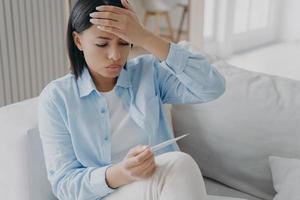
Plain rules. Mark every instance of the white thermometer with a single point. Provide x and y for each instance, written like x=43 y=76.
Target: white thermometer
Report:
x=166 y=143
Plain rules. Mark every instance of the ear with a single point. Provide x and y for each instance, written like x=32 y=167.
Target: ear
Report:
x=77 y=40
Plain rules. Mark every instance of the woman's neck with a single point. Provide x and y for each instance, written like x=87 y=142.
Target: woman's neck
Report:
x=103 y=84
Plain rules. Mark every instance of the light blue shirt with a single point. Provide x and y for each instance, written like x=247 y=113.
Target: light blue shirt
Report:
x=74 y=120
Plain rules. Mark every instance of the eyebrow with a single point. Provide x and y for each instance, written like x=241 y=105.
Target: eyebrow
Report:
x=105 y=38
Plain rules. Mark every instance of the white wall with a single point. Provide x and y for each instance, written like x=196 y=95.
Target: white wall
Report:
x=290 y=28
x=32 y=47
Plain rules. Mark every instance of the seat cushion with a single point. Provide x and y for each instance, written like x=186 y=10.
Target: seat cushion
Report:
x=218 y=190
x=214 y=197
x=286 y=177
x=233 y=136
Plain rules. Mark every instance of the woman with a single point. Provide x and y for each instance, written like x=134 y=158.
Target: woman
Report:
x=98 y=122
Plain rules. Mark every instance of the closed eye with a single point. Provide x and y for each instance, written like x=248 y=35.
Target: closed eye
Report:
x=101 y=45
x=106 y=44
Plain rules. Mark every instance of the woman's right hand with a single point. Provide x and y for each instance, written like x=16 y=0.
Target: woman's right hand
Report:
x=138 y=164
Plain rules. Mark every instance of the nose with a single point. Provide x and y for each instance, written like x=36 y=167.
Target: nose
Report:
x=114 y=53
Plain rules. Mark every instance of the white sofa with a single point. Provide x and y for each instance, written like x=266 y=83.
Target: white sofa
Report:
x=231 y=138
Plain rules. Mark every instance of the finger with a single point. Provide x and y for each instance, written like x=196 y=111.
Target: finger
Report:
x=147 y=172
x=143 y=166
x=147 y=164
x=113 y=9
x=106 y=15
x=104 y=22
x=142 y=169
x=151 y=171
x=127 y=5
x=147 y=153
x=136 y=161
x=136 y=150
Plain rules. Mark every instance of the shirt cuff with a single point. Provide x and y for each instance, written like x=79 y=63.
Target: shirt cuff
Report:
x=98 y=181
x=177 y=58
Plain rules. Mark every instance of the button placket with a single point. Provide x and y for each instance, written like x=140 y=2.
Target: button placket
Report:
x=104 y=112
x=105 y=123
x=105 y=115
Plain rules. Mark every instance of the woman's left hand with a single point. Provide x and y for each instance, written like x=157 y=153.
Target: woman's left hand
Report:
x=120 y=22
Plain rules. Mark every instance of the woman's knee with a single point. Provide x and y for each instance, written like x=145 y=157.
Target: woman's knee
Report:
x=184 y=159
x=179 y=156
x=180 y=161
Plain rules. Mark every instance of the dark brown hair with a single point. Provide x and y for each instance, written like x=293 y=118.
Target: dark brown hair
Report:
x=79 y=21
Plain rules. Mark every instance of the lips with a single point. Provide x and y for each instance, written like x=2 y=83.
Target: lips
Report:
x=114 y=66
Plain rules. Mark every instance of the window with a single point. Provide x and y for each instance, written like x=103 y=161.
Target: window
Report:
x=209 y=19
x=232 y=26
x=250 y=15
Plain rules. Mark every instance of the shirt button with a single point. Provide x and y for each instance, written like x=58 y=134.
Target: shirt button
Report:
x=103 y=110
x=106 y=138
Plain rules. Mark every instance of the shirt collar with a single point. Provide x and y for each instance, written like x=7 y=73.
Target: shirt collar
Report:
x=86 y=84
x=124 y=78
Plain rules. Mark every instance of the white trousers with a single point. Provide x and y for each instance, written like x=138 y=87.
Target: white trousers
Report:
x=177 y=177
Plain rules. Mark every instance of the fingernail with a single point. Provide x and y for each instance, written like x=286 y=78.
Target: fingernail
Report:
x=145 y=147
x=92 y=14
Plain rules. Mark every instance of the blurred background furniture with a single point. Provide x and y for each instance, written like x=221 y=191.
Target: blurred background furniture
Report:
x=160 y=10
x=184 y=4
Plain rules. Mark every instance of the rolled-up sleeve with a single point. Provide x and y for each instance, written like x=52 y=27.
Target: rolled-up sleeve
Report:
x=186 y=77
x=69 y=179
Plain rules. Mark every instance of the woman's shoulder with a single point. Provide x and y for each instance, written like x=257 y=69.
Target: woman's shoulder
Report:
x=60 y=87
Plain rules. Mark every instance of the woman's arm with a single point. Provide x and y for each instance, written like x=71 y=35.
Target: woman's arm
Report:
x=186 y=77
x=68 y=178
x=156 y=45
x=180 y=76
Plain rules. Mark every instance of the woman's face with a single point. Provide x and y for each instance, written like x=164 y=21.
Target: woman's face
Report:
x=105 y=54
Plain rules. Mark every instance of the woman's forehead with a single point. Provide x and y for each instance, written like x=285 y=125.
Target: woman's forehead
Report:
x=97 y=33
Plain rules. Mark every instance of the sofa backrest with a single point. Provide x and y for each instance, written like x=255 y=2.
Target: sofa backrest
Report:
x=232 y=137
x=23 y=174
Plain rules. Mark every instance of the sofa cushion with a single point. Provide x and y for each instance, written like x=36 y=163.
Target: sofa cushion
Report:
x=286 y=177
x=15 y=120
x=214 y=197
x=233 y=136
x=39 y=186
x=215 y=188
x=21 y=151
